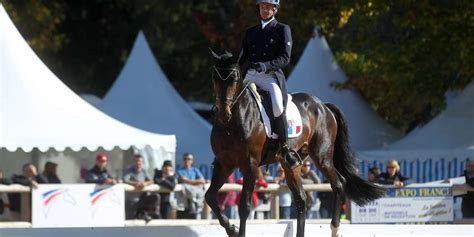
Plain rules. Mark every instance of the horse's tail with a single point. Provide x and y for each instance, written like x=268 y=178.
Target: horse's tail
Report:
x=358 y=189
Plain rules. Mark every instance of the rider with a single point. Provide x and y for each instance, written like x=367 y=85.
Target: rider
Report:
x=267 y=46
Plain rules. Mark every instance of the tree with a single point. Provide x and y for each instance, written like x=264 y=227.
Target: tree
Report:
x=404 y=55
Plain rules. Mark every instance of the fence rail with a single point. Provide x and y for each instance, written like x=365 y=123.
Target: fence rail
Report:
x=272 y=188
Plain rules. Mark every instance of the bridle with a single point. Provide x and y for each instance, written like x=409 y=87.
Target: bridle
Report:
x=232 y=71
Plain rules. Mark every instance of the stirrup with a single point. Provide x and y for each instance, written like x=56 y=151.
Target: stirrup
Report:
x=292 y=158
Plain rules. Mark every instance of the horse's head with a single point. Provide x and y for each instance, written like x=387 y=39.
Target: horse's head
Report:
x=225 y=77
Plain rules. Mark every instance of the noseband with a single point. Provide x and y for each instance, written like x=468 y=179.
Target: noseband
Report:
x=232 y=71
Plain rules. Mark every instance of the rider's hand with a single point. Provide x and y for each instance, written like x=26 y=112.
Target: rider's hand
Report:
x=259 y=67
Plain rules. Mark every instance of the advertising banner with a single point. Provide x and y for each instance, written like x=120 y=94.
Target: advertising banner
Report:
x=423 y=204
x=78 y=205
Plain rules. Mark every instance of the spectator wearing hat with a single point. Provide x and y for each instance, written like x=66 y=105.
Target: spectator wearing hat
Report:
x=166 y=178
x=99 y=173
x=49 y=175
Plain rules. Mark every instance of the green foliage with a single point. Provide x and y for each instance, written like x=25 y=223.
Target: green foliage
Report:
x=404 y=55
x=401 y=55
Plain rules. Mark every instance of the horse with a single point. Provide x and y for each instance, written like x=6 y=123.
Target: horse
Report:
x=239 y=140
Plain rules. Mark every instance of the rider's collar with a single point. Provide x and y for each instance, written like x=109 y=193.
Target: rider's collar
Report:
x=265 y=23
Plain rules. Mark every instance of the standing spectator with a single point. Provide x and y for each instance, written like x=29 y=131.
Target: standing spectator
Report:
x=227 y=200
x=260 y=182
x=165 y=178
x=49 y=175
x=264 y=198
x=374 y=174
x=5 y=181
x=99 y=174
x=136 y=176
x=28 y=177
x=467 y=206
x=191 y=200
x=285 y=197
x=308 y=176
x=392 y=176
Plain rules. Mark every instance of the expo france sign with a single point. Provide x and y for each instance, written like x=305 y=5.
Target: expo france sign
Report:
x=417 y=204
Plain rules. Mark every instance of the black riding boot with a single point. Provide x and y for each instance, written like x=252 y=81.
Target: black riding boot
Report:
x=282 y=131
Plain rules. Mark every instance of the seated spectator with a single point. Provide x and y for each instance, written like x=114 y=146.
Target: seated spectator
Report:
x=99 y=173
x=49 y=175
x=467 y=206
x=373 y=175
x=392 y=176
x=308 y=176
x=191 y=200
x=167 y=179
x=136 y=176
x=227 y=200
x=285 y=197
x=28 y=177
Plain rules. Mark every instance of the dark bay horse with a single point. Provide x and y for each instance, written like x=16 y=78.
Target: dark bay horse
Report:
x=239 y=140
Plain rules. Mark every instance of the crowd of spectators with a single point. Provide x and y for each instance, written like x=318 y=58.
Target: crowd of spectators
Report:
x=188 y=203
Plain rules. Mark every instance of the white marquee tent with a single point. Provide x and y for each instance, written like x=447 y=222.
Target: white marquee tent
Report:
x=315 y=72
x=437 y=150
x=143 y=97
x=452 y=128
x=39 y=111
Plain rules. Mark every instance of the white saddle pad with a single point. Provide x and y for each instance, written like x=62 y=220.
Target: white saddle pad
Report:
x=293 y=116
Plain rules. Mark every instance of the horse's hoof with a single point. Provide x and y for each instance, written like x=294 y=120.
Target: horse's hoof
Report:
x=336 y=231
x=234 y=231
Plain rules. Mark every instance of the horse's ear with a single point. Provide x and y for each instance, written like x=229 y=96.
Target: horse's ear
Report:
x=214 y=55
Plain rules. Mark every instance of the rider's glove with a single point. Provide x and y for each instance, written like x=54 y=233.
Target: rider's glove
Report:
x=259 y=67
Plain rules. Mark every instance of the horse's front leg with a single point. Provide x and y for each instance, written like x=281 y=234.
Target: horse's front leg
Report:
x=219 y=177
x=299 y=196
x=245 y=204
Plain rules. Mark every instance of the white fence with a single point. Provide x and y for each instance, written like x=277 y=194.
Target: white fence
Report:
x=274 y=189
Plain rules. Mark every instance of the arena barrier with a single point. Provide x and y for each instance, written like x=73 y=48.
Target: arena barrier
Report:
x=272 y=188
x=273 y=229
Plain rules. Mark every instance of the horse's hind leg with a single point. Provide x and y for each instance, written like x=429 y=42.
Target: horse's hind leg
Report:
x=293 y=179
x=324 y=161
x=219 y=177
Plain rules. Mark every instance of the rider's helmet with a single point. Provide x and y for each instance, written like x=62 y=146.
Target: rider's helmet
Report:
x=274 y=2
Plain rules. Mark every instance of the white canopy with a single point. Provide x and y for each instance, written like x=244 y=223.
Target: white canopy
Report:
x=38 y=110
x=437 y=150
x=143 y=97
x=451 y=129
x=315 y=72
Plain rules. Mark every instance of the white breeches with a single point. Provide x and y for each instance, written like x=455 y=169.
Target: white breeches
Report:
x=268 y=83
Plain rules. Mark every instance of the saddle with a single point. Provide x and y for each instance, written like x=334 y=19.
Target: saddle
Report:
x=293 y=116
x=295 y=124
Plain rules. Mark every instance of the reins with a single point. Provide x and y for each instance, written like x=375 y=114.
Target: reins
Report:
x=233 y=71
